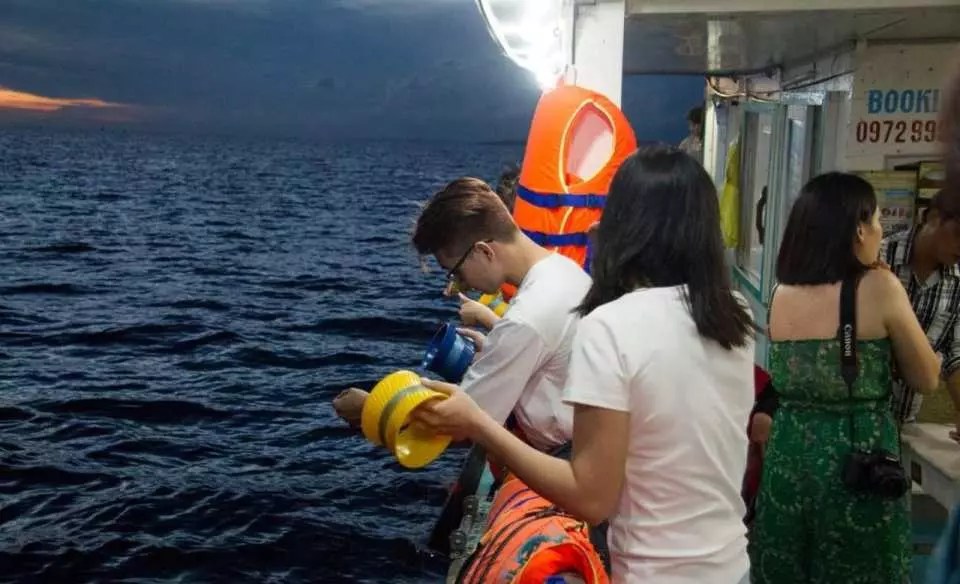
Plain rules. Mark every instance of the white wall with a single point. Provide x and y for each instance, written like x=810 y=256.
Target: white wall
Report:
x=597 y=46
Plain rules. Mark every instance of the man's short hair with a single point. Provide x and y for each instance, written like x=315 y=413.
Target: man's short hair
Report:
x=946 y=205
x=464 y=212
x=695 y=115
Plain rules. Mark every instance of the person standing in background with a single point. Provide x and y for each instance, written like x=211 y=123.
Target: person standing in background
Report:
x=816 y=521
x=693 y=143
x=506 y=187
x=925 y=261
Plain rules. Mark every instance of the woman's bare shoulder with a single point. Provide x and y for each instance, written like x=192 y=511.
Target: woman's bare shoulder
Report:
x=881 y=283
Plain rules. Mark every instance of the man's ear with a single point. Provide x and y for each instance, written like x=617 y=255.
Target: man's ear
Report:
x=486 y=249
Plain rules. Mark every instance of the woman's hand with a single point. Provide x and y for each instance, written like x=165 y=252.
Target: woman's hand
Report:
x=760 y=428
x=457 y=415
x=473 y=313
x=477 y=337
x=349 y=405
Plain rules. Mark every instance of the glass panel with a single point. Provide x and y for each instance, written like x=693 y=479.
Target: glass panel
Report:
x=797 y=162
x=726 y=119
x=815 y=129
x=756 y=164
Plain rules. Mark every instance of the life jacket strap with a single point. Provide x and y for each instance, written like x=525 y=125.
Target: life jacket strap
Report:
x=558 y=200
x=577 y=239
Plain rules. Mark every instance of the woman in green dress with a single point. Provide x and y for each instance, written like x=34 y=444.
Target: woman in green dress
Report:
x=810 y=527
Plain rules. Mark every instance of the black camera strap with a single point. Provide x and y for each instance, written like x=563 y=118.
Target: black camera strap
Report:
x=848 y=340
x=873 y=470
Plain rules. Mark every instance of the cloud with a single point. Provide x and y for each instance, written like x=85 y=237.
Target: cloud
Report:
x=21 y=100
x=15 y=38
x=339 y=69
x=343 y=68
x=400 y=6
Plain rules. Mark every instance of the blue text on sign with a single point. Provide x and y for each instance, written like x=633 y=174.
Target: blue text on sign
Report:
x=903 y=101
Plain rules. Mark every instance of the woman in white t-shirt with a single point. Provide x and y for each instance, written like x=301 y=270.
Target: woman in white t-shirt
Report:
x=661 y=378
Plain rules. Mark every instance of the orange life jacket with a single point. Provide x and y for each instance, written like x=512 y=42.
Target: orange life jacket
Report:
x=527 y=540
x=554 y=205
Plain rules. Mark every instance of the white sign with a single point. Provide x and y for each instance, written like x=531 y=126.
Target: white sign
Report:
x=897 y=92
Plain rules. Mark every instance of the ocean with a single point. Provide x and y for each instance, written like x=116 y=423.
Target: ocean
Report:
x=176 y=315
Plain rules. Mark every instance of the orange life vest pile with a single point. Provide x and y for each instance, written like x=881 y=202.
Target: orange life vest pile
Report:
x=527 y=540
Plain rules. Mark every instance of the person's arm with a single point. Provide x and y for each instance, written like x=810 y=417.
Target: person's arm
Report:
x=473 y=313
x=917 y=362
x=511 y=353
x=951 y=371
x=589 y=485
x=768 y=402
x=761 y=418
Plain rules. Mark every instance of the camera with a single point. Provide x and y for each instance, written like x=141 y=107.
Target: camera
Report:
x=876 y=472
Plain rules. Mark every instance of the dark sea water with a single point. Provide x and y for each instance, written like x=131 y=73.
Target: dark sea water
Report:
x=176 y=315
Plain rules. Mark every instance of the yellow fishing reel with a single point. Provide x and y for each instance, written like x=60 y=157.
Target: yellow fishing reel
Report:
x=494 y=302
x=385 y=420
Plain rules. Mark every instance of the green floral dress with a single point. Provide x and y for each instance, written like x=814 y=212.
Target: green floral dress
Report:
x=809 y=528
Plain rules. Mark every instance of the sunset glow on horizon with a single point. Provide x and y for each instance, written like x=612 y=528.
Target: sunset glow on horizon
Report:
x=21 y=100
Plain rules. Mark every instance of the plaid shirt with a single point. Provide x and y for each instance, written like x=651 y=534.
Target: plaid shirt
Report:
x=936 y=303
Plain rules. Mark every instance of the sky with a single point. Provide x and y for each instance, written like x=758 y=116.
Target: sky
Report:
x=328 y=69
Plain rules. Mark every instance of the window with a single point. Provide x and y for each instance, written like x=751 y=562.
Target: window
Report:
x=800 y=144
x=754 y=191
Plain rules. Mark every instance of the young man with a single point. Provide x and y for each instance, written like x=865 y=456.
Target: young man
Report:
x=522 y=364
x=693 y=143
x=925 y=259
x=472 y=313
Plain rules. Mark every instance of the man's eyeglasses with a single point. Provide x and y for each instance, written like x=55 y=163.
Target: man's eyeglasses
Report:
x=452 y=274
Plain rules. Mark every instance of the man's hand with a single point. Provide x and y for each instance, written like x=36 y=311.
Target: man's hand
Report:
x=760 y=428
x=477 y=337
x=955 y=433
x=349 y=405
x=473 y=313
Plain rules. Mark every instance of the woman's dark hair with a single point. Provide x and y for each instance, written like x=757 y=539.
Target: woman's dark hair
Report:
x=817 y=246
x=661 y=227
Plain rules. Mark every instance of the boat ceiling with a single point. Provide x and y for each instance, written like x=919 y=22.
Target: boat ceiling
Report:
x=698 y=37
